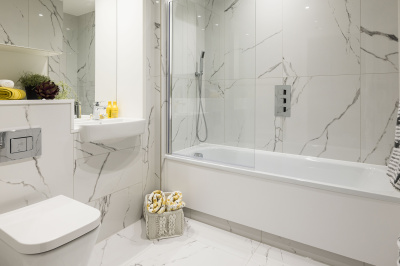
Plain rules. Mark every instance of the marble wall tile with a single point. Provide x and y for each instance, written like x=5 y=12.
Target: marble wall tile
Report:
x=70 y=75
x=46 y=25
x=86 y=95
x=151 y=138
x=379 y=105
x=214 y=110
x=153 y=38
x=76 y=66
x=63 y=69
x=379 y=36
x=55 y=68
x=321 y=37
x=268 y=127
x=184 y=49
x=86 y=62
x=240 y=39
x=86 y=48
x=101 y=175
x=269 y=34
x=325 y=117
x=165 y=145
x=214 y=45
x=183 y=108
x=14 y=22
x=240 y=113
x=88 y=149
x=118 y=210
x=30 y=180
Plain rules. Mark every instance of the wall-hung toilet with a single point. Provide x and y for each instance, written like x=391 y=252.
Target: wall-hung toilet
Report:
x=58 y=231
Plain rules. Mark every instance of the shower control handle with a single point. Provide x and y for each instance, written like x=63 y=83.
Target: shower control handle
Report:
x=283 y=95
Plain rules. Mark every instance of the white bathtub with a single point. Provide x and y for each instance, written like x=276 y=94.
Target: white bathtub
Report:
x=343 y=207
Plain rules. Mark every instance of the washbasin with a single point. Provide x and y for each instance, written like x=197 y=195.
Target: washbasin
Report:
x=109 y=129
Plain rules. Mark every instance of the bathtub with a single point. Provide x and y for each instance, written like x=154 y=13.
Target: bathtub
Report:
x=343 y=207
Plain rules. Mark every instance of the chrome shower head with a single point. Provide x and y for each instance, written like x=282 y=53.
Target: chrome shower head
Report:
x=201 y=61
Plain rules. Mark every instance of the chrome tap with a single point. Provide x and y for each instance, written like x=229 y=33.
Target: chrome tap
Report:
x=98 y=111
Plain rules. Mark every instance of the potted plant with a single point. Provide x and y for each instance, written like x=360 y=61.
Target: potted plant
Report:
x=30 y=81
x=66 y=92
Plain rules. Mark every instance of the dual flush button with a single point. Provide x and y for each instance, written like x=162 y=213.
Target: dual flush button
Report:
x=21 y=144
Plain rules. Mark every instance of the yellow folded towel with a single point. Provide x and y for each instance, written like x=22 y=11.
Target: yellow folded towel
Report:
x=11 y=94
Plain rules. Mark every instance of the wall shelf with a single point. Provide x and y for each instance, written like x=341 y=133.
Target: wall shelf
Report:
x=26 y=50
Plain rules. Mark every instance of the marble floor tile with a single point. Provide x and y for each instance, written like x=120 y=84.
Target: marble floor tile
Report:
x=270 y=256
x=201 y=244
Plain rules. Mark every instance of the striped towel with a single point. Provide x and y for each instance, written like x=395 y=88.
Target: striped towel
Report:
x=156 y=202
x=11 y=94
x=394 y=161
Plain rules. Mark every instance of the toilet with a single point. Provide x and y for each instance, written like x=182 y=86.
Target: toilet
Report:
x=54 y=232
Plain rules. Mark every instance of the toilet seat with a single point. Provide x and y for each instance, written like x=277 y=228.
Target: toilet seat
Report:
x=47 y=225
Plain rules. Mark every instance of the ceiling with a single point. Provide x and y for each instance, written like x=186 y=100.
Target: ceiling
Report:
x=78 y=7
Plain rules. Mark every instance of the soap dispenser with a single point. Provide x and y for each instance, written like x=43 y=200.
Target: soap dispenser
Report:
x=108 y=110
x=114 y=110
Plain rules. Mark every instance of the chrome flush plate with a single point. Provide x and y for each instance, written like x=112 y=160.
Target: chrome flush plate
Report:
x=20 y=144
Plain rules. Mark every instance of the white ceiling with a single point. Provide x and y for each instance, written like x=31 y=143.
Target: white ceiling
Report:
x=78 y=7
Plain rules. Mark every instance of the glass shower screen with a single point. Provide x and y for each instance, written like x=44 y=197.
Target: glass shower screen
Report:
x=211 y=81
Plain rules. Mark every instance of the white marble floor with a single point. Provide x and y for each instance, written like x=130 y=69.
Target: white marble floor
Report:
x=201 y=244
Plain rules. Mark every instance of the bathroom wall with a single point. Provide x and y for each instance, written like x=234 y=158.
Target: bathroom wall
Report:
x=31 y=180
x=29 y=23
x=86 y=61
x=108 y=176
x=111 y=176
x=76 y=66
x=32 y=23
x=341 y=59
x=114 y=176
x=18 y=63
x=151 y=141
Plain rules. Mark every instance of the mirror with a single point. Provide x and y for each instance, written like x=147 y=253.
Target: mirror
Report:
x=79 y=50
x=57 y=38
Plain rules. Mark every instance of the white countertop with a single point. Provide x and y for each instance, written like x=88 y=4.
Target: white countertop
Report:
x=35 y=102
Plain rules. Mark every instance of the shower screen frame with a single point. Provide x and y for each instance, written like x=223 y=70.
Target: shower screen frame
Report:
x=169 y=75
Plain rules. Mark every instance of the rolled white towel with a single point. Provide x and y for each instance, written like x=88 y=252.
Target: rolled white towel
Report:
x=6 y=83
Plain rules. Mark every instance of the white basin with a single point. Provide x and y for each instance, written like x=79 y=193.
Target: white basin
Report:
x=109 y=129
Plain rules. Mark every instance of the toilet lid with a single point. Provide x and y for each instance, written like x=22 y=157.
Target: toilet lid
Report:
x=47 y=225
